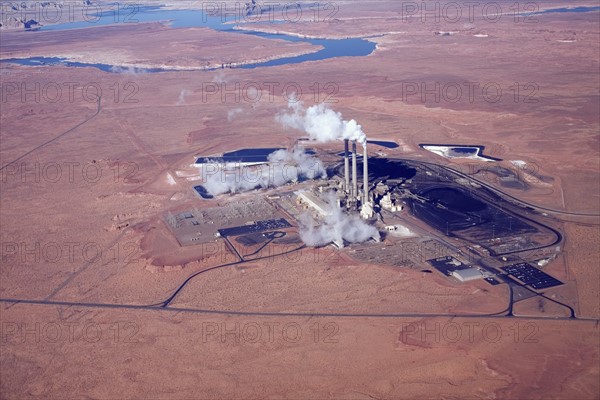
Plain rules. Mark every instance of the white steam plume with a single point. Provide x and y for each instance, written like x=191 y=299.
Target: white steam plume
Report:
x=337 y=227
x=321 y=123
x=283 y=167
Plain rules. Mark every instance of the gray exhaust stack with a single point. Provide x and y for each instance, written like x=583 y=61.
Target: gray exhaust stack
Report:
x=346 y=168
x=354 y=193
x=365 y=175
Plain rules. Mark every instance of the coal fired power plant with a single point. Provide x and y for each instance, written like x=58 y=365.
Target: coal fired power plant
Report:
x=321 y=193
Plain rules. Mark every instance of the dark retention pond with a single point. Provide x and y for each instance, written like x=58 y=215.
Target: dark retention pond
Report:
x=384 y=143
x=243 y=155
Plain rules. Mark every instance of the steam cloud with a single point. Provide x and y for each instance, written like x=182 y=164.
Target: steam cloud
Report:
x=321 y=123
x=337 y=227
x=283 y=166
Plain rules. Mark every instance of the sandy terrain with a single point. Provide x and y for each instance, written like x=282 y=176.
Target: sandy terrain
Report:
x=181 y=355
x=81 y=215
x=183 y=48
x=336 y=288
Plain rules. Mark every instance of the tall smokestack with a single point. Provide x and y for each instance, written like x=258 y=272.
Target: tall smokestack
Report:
x=354 y=173
x=365 y=174
x=346 y=168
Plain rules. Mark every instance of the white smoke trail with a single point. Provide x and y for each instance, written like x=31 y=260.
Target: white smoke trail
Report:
x=337 y=227
x=321 y=123
x=283 y=167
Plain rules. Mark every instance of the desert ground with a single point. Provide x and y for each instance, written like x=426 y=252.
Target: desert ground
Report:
x=86 y=181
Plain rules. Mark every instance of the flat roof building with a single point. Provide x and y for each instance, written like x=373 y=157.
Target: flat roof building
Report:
x=313 y=201
x=465 y=275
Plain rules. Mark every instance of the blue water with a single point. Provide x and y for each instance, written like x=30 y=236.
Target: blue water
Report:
x=202 y=192
x=196 y=18
x=63 y=61
x=465 y=150
x=245 y=155
x=177 y=18
x=384 y=143
x=331 y=48
x=566 y=9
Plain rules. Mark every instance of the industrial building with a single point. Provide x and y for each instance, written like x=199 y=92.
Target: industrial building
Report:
x=201 y=226
x=313 y=201
x=466 y=275
x=349 y=195
x=433 y=194
x=198 y=226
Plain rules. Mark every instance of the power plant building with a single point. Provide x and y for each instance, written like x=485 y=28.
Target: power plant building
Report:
x=466 y=275
x=313 y=201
